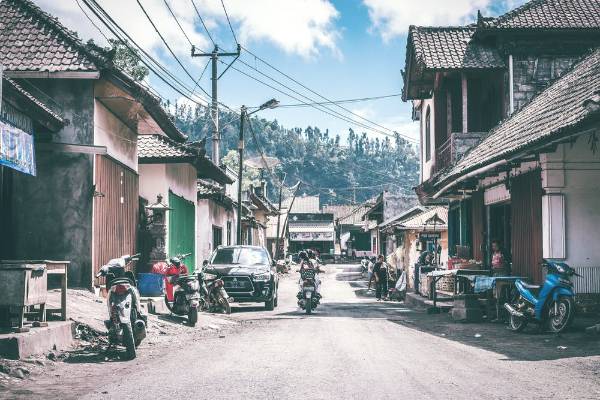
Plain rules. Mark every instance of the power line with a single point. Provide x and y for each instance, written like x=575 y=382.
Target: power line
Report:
x=229 y=22
x=178 y=24
x=171 y=50
x=323 y=109
x=117 y=31
x=203 y=24
x=345 y=101
x=92 y=22
x=320 y=95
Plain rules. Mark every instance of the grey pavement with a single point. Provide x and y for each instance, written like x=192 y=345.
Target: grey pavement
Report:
x=351 y=348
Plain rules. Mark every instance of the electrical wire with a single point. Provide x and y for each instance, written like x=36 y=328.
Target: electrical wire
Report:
x=203 y=24
x=229 y=22
x=320 y=95
x=92 y=22
x=178 y=24
x=345 y=101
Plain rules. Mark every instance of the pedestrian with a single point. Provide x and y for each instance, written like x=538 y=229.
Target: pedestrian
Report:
x=380 y=274
x=500 y=260
x=370 y=264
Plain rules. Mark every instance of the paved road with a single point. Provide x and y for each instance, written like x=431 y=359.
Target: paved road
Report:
x=352 y=348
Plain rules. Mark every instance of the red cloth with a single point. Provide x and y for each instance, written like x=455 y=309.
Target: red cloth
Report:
x=173 y=270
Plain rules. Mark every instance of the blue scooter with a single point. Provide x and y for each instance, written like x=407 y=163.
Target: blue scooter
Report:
x=552 y=304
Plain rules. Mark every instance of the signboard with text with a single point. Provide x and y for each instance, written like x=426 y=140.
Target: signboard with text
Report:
x=16 y=149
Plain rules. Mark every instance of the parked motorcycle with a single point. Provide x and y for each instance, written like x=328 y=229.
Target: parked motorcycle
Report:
x=214 y=297
x=126 y=324
x=552 y=304
x=183 y=295
x=308 y=298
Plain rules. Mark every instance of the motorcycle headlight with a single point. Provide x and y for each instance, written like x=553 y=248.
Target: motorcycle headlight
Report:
x=209 y=277
x=262 y=277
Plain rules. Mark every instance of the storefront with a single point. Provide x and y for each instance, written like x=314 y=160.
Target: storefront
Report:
x=312 y=231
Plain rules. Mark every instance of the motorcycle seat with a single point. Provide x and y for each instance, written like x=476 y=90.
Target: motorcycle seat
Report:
x=531 y=287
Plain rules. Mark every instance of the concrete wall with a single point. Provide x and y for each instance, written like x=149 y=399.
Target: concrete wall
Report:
x=158 y=179
x=120 y=141
x=209 y=213
x=53 y=211
x=571 y=178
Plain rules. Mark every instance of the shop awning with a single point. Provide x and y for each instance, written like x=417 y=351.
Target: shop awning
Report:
x=312 y=232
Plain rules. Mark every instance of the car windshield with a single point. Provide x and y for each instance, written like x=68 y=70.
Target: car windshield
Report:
x=237 y=255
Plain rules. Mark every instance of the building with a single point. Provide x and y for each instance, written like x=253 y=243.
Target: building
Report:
x=416 y=230
x=527 y=173
x=171 y=170
x=351 y=238
x=216 y=215
x=311 y=231
x=387 y=206
x=83 y=204
x=256 y=223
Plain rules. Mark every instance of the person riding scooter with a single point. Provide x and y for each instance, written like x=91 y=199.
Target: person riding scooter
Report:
x=306 y=262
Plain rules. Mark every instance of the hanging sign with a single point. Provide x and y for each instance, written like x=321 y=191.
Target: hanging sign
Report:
x=16 y=149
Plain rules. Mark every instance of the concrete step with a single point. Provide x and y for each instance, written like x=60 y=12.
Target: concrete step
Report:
x=417 y=301
x=57 y=335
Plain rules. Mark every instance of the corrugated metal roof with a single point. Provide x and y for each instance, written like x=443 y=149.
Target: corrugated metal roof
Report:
x=302 y=204
x=418 y=221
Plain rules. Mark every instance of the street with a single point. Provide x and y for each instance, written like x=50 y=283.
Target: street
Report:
x=352 y=347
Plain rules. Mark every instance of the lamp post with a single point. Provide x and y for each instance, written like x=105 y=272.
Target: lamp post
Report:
x=243 y=114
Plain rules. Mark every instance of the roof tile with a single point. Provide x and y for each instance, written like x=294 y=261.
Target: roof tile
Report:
x=161 y=147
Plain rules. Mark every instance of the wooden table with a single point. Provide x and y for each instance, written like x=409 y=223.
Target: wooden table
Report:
x=459 y=276
x=52 y=268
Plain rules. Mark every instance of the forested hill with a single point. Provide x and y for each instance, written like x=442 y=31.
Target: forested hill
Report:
x=325 y=164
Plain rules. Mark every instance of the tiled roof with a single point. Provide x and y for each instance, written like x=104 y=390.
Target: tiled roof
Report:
x=33 y=40
x=303 y=204
x=347 y=214
x=207 y=189
x=441 y=48
x=561 y=106
x=32 y=99
x=549 y=14
x=160 y=147
x=419 y=220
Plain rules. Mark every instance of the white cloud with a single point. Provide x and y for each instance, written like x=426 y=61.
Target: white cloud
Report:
x=302 y=27
x=392 y=18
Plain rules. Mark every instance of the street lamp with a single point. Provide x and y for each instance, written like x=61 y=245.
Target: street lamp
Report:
x=243 y=114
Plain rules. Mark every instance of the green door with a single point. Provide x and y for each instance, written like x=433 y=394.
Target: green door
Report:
x=182 y=222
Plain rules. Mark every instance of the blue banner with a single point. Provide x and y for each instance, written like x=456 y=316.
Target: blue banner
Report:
x=16 y=149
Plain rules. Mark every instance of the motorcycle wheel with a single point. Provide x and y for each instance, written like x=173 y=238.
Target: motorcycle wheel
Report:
x=308 y=307
x=129 y=341
x=561 y=318
x=193 y=316
x=224 y=304
x=168 y=304
x=517 y=324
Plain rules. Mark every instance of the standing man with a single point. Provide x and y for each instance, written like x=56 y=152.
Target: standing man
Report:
x=380 y=274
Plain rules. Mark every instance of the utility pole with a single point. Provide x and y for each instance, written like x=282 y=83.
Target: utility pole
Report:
x=240 y=171
x=277 y=244
x=214 y=106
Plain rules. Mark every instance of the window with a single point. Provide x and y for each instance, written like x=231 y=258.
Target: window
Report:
x=428 y=135
x=240 y=255
x=217 y=232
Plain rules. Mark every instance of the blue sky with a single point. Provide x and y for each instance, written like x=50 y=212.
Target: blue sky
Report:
x=339 y=48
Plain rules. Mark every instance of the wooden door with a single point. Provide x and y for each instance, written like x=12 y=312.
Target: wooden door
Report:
x=115 y=211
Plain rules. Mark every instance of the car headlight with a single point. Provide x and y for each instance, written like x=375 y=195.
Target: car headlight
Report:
x=262 y=277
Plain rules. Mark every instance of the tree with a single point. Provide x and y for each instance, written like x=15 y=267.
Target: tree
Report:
x=127 y=60
x=250 y=176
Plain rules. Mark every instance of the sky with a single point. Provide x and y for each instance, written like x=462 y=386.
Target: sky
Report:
x=341 y=49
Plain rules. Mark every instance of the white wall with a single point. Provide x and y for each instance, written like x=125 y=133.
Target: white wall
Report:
x=158 y=179
x=109 y=131
x=209 y=213
x=573 y=173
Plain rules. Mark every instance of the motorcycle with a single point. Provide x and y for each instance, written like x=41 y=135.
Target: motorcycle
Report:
x=183 y=294
x=552 y=304
x=127 y=324
x=214 y=297
x=308 y=298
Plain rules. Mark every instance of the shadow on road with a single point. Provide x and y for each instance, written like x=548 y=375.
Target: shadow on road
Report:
x=530 y=345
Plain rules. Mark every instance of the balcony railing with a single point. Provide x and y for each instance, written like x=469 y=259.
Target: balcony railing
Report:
x=453 y=149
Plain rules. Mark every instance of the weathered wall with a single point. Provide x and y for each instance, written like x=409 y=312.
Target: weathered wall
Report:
x=209 y=213
x=53 y=211
x=120 y=141
x=532 y=74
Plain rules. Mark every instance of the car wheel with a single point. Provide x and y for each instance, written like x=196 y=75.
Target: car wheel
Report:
x=276 y=297
x=270 y=304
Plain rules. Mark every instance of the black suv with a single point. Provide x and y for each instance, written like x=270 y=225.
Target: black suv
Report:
x=248 y=273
